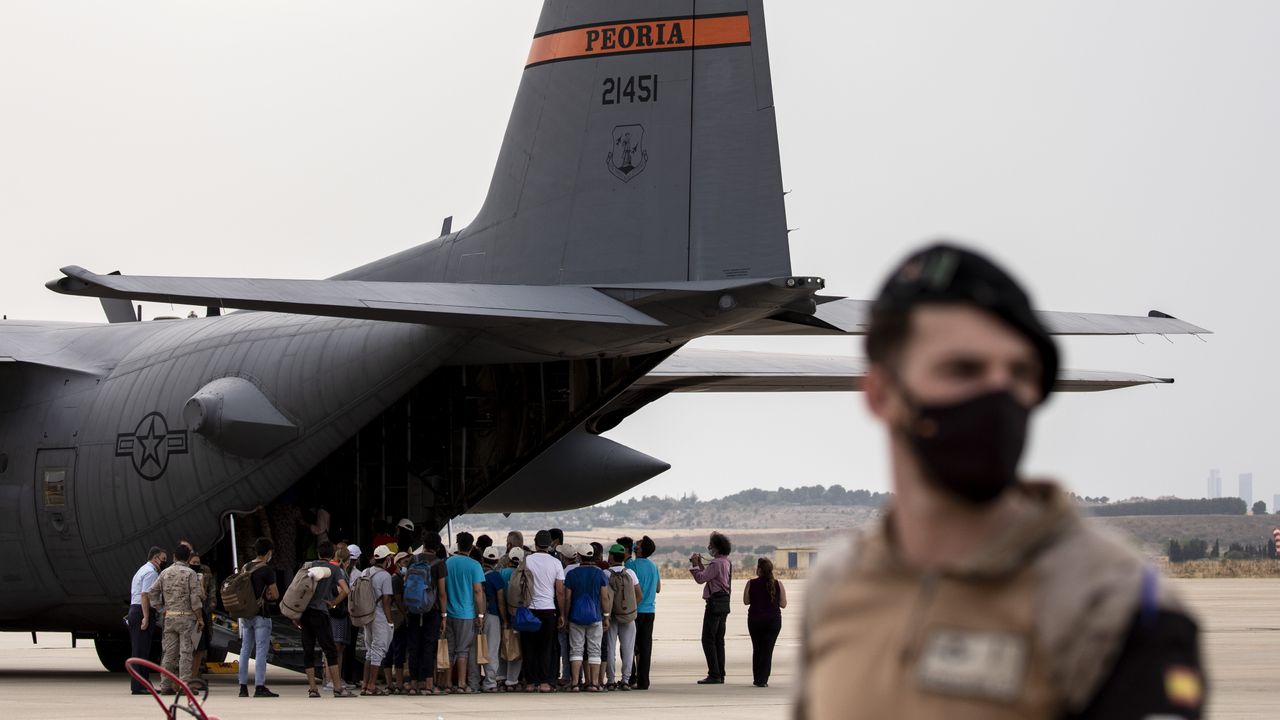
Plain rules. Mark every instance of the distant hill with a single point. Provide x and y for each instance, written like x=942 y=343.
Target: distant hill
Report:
x=814 y=507
x=760 y=520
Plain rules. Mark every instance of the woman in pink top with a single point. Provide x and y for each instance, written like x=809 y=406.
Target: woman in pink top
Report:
x=715 y=579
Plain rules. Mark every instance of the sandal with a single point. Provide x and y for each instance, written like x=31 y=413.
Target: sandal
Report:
x=575 y=688
x=593 y=688
x=343 y=693
x=313 y=693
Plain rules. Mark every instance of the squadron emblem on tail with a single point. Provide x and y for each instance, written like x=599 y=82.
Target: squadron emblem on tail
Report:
x=629 y=156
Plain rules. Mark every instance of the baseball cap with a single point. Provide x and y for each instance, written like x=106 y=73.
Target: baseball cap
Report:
x=405 y=523
x=354 y=550
x=542 y=539
x=944 y=273
x=585 y=550
x=492 y=553
x=382 y=552
x=616 y=548
x=402 y=556
x=517 y=554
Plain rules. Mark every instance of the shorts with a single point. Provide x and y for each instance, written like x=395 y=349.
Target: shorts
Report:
x=588 y=636
x=462 y=637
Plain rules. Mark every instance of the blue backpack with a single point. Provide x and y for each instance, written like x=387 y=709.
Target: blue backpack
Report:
x=419 y=588
x=526 y=621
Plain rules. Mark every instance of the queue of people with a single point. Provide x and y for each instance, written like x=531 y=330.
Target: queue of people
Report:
x=484 y=618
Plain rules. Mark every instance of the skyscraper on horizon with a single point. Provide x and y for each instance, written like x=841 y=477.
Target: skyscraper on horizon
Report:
x=1246 y=488
x=1215 y=485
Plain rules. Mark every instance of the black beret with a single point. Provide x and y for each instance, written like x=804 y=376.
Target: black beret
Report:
x=944 y=273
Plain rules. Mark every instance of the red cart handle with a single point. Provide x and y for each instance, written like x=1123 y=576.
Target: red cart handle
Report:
x=192 y=707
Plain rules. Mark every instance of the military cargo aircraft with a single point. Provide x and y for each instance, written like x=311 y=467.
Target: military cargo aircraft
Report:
x=637 y=204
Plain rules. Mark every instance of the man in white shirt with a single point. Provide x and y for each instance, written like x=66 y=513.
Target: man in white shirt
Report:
x=140 y=632
x=546 y=574
x=377 y=634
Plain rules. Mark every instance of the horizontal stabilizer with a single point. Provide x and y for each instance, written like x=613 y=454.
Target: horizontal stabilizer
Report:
x=850 y=317
x=579 y=470
x=445 y=304
x=699 y=370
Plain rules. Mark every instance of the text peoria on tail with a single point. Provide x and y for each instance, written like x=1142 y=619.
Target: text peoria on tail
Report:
x=637 y=204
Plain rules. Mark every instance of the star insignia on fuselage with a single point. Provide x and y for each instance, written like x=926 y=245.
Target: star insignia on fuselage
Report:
x=151 y=445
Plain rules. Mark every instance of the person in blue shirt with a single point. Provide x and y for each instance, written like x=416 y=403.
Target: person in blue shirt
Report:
x=589 y=601
x=140 y=632
x=495 y=610
x=464 y=614
x=650 y=585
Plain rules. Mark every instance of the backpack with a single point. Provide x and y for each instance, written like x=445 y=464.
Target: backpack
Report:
x=238 y=598
x=420 y=588
x=624 y=597
x=525 y=621
x=362 y=602
x=299 y=594
x=520 y=589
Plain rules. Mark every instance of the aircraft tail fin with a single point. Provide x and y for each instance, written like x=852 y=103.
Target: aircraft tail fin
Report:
x=642 y=147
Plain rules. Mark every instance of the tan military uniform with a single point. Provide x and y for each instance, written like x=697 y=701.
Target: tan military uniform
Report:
x=1029 y=626
x=181 y=593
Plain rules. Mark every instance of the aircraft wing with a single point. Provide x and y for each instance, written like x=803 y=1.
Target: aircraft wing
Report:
x=704 y=370
x=446 y=304
x=845 y=316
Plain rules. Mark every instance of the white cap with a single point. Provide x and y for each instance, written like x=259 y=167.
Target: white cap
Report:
x=382 y=552
x=492 y=553
x=586 y=551
x=354 y=550
x=517 y=554
x=405 y=523
x=419 y=550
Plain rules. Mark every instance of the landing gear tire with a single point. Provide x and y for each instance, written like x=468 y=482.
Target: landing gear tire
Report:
x=113 y=652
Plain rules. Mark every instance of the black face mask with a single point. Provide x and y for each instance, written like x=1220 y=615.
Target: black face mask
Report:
x=970 y=449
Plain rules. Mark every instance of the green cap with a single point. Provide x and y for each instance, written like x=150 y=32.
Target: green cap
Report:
x=616 y=548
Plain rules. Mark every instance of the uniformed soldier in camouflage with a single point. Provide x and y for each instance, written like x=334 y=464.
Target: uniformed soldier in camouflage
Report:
x=980 y=595
x=180 y=593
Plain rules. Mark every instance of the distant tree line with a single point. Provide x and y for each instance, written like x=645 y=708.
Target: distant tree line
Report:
x=1171 y=506
x=688 y=510
x=1198 y=549
x=811 y=495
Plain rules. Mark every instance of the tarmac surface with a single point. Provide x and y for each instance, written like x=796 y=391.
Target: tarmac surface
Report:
x=1241 y=620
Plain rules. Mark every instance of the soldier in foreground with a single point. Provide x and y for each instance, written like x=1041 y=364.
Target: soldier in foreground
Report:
x=980 y=595
x=178 y=588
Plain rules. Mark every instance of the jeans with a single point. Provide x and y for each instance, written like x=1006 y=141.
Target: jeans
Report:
x=140 y=643
x=764 y=634
x=623 y=637
x=422 y=632
x=644 y=649
x=538 y=649
x=255 y=639
x=714 y=619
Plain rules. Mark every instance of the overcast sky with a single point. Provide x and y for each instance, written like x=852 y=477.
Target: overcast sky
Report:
x=1119 y=156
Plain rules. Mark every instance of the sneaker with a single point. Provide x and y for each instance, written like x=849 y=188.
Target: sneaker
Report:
x=262 y=691
x=244 y=691
x=328 y=684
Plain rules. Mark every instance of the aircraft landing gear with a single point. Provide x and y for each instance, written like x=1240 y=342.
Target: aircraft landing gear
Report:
x=113 y=652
